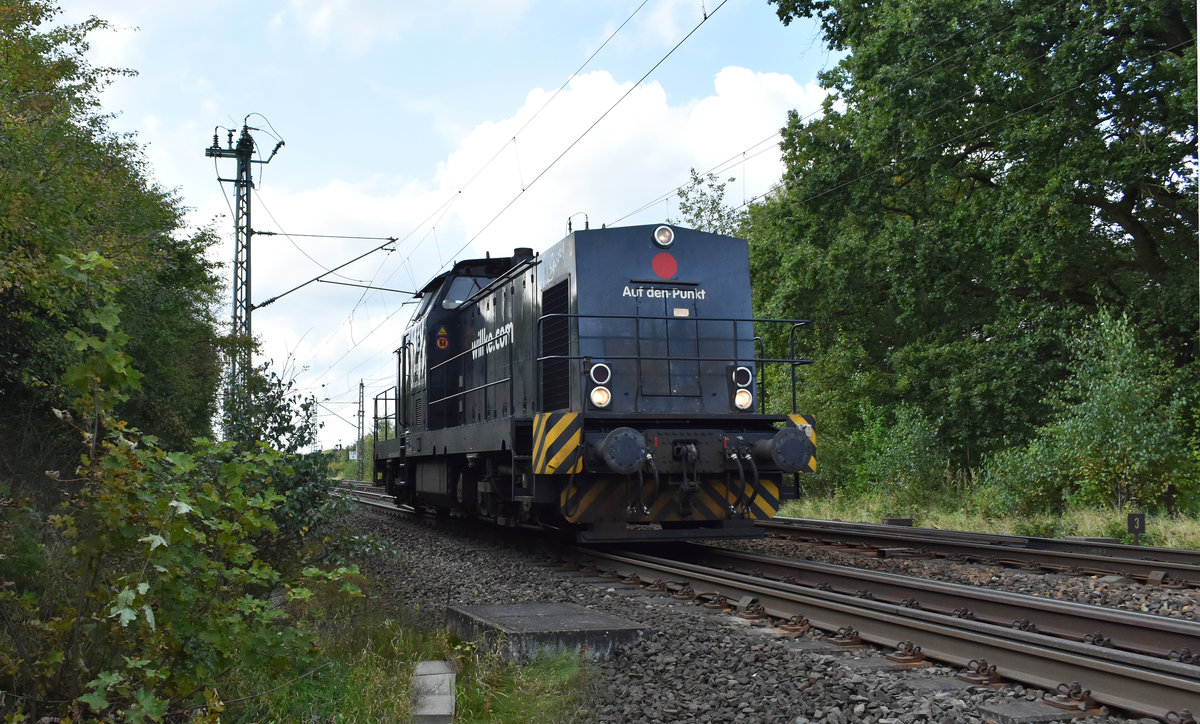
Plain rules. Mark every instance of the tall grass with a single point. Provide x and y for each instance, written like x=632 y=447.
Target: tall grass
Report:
x=361 y=668
x=1181 y=531
x=545 y=690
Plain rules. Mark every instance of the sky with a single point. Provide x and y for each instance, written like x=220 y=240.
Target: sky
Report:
x=458 y=127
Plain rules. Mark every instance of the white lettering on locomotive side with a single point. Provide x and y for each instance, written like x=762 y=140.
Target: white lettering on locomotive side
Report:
x=640 y=292
x=491 y=341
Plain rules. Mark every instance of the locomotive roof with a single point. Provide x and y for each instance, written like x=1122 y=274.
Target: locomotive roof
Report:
x=486 y=267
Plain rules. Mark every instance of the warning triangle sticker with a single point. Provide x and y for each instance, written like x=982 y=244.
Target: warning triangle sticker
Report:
x=442 y=331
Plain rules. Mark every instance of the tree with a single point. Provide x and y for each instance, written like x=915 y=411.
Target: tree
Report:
x=69 y=186
x=983 y=177
x=702 y=206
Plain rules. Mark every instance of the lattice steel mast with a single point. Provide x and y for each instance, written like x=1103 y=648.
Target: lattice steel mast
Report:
x=242 y=332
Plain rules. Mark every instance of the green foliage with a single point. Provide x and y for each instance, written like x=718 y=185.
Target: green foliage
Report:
x=154 y=577
x=1119 y=530
x=170 y=307
x=985 y=175
x=70 y=188
x=1118 y=436
x=702 y=206
x=834 y=389
x=365 y=673
x=957 y=513
x=103 y=374
x=1053 y=527
x=899 y=457
x=492 y=690
x=270 y=414
x=137 y=578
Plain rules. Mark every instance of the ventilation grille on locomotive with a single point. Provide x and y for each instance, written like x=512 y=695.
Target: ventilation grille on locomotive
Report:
x=556 y=341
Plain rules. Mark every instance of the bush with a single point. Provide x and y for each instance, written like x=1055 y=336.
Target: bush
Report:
x=148 y=584
x=840 y=391
x=1117 y=437
x=899 y=458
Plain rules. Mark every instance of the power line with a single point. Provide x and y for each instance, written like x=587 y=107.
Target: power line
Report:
x=323 y=236
x=589 y=128
x=884 y=93
x=717 y=169
x=445 y=206
x=441 y=210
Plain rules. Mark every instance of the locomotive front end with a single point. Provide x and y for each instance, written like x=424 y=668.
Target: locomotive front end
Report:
x=651 y=420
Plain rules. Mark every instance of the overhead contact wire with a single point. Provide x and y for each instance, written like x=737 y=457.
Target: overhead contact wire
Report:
x=588 y=130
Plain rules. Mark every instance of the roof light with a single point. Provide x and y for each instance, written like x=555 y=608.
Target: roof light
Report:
x=664 y=236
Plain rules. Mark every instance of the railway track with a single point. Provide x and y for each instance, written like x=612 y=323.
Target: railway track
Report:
x=1083 y=670
x=366 y=494
x=1083 y=656
x=1156 y=566
x=1153 y=566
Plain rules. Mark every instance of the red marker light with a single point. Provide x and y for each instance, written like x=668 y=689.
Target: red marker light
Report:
x=665 y=265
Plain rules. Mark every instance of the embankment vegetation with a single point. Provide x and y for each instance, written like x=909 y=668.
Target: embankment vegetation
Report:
x=992 y=225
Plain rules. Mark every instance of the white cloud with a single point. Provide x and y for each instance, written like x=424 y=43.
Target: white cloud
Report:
x=639 y=151
x=381 y=101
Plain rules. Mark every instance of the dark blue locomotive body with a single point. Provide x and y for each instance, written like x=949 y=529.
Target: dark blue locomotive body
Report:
x=610 y=385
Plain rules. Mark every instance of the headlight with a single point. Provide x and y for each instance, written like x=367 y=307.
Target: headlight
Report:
x=664 y=236
x=742 y=399
x=600 y=396
x=742 y=377
x=600 y=373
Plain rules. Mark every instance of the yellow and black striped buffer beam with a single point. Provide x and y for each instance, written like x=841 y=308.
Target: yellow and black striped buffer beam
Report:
x=557 y=443
x=808 y=424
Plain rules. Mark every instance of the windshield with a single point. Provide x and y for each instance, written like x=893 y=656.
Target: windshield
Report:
x=461 y=289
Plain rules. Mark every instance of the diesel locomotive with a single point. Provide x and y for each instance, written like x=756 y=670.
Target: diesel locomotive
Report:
x=611 y=386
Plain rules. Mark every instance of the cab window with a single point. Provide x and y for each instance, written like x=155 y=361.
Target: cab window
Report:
x=426 y=301
x=461 y=289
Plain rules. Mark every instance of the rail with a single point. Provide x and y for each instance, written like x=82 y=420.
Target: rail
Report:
x=1144 y=684
x=1151 y=565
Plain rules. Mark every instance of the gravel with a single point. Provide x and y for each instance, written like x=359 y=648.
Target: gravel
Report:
x=695 y=664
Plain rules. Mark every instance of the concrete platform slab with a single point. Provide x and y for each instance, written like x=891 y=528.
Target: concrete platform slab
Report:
x=524 y=631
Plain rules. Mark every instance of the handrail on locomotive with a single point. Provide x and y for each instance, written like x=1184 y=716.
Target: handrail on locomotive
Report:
x=389 y=398
x=639 y=357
